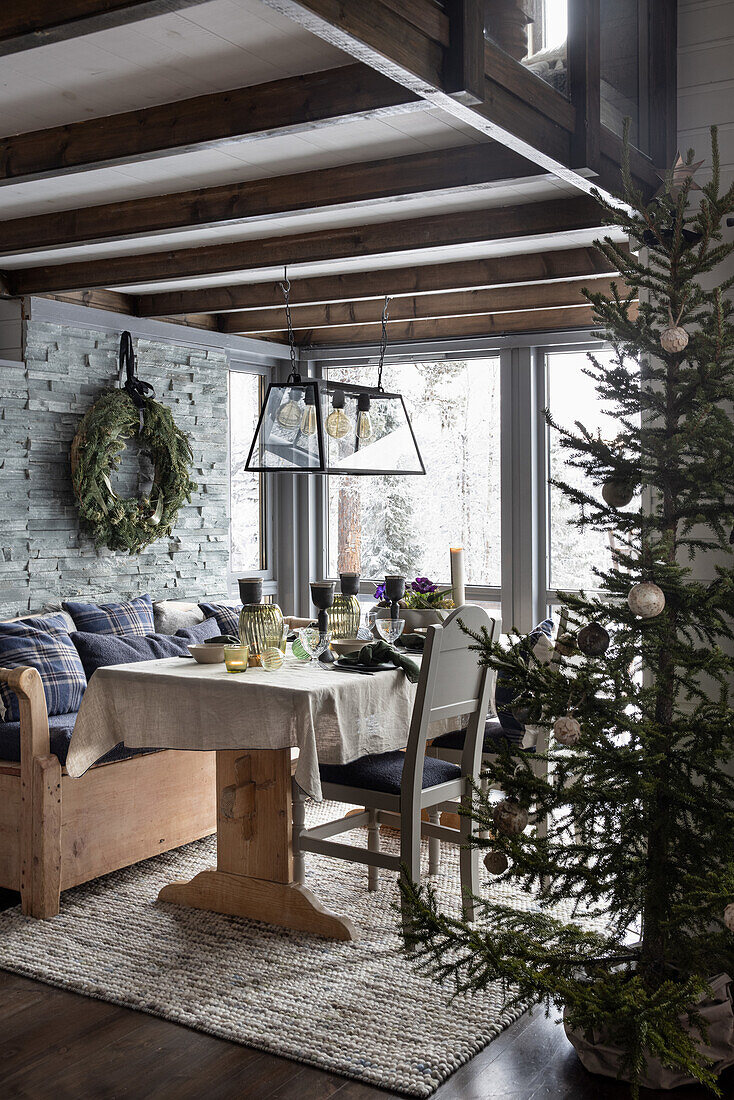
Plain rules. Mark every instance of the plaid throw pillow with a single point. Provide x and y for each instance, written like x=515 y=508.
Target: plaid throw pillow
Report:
x=42 y=643
x=227 y=616
x=133 y=617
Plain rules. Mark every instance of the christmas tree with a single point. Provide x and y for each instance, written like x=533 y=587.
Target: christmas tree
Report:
x=640 y=790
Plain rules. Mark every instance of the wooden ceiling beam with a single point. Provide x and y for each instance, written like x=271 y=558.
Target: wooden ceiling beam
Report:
x=571 y=263
x=488 y=324
x=464 y=227
x=459 y=303
x=290 y=105
x=26 y=24
x=464 y=169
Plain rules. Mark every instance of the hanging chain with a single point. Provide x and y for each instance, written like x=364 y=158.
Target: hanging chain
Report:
x=285 y=286
x=383 y=342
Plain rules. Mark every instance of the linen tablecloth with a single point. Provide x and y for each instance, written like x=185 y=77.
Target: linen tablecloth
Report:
x=331 y=717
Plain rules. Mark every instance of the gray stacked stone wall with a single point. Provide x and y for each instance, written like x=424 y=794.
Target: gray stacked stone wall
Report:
x=45 y=555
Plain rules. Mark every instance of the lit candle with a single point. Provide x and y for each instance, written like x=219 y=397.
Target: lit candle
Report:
x=236 y=657
x=457 y=576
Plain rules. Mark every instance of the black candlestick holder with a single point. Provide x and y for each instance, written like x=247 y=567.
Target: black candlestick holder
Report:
x=322 y=597
x=394 y=592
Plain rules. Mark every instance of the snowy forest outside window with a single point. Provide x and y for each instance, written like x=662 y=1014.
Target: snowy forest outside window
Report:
x=572 y=397
x=247 y=550
x=405 y=525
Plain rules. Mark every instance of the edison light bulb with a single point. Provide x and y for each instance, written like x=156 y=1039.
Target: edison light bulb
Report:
x=337 y=422
x=289 y=415
x=309 y=421
x=364 y=424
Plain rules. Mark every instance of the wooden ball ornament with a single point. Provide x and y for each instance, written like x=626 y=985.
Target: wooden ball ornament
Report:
x=496 y=862
x=593 y=640
x=510 y=817
x=646 y=600
x=729 y=916
x=617 y=493
x=674 y=338
x=567 y=730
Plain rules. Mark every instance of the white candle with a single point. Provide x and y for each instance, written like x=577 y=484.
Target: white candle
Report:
x=457 y=576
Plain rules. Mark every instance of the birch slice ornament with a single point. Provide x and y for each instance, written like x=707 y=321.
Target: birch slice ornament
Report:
x=510 y=817
x=497 y=862
x=728 y=916
x=646 y=600
x=674 y=338
x=567 y=731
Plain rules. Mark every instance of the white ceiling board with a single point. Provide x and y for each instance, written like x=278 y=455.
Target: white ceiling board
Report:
x=211 y=47
x=547 y=242
x=237 y=161
x=515 y=193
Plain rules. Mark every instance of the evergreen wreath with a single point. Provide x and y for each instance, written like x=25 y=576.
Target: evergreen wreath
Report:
x=129 y=524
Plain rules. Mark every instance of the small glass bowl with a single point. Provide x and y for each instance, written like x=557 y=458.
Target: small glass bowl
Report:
x=236 y=657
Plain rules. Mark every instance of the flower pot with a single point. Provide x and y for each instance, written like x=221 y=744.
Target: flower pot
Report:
x=599 y=1056
x=416 y=619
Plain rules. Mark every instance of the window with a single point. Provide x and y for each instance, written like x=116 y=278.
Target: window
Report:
x=572 y=396
x=379 y=525
x=247 y=537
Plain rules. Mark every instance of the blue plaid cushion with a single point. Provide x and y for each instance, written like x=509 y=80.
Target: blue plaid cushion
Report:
x=42 y=643
x=133 y=617
x=227 y=616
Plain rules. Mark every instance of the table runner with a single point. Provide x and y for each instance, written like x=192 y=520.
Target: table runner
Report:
x=331 y=717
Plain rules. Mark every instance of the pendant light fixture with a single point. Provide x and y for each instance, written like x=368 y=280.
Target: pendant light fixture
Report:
x=314 y=426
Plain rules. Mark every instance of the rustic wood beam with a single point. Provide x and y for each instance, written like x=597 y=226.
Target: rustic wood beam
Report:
x=459 y=303
x=290 y=105
x=464 y=227
x=571 y=263
x=489 y=324
x=25 y=24
x=382 y=181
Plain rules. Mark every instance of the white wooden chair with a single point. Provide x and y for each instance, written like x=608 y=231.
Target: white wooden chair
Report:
x=394 y=788
x=449 y=746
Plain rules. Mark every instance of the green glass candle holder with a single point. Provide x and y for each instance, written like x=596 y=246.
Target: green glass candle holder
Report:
x=261 y=624
x=345 y=614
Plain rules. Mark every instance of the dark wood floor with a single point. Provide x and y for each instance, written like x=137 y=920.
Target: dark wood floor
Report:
x=59 y=1045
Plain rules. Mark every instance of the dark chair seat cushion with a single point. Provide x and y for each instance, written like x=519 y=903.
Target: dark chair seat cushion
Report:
x=59 y=728
x=385 y=771
x=495 y=738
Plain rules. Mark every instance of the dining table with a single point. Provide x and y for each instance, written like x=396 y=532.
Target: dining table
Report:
x=266 y=727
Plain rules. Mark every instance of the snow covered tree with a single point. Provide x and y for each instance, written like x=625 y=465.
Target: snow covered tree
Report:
x=640 y=790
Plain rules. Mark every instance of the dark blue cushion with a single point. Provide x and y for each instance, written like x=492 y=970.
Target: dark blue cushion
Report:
x=495 y=738
x=504 y=695
x=60 y=727
x=199 y=632
x=98 y=650
x=42 y=642
x=133 y=617
x=227 y=616
x=384 y=772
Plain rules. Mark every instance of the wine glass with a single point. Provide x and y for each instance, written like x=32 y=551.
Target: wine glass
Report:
x=390 y=629
x=366 y=633
x=315 y=642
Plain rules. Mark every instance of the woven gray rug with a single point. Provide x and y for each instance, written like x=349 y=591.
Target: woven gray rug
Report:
x=360 y=1009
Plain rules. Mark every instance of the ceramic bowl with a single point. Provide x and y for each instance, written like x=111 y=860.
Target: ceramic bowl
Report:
x=342 y=646
x=207 y=654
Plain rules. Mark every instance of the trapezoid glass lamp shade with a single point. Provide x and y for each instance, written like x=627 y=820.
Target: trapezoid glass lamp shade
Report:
x=299 y=433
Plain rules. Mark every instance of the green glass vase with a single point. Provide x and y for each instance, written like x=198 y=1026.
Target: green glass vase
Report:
x=261 y=624
x=345 y=614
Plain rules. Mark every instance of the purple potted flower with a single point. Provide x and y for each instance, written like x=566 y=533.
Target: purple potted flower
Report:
x=423 y=605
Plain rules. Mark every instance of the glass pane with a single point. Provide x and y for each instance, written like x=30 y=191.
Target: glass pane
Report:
x=572 y=397
x=620 y=52
x=396 y=524
x=367 y=432
x=246 y=535
x=288 y=437
x=533 y=32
